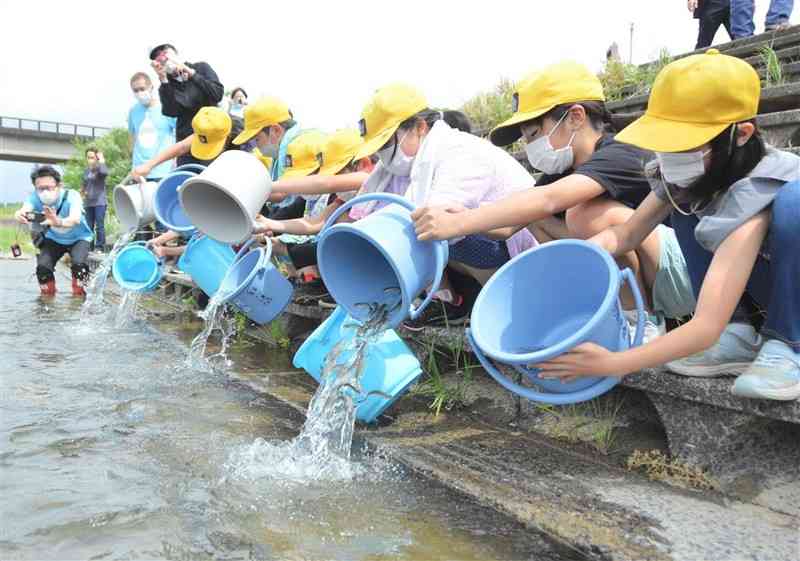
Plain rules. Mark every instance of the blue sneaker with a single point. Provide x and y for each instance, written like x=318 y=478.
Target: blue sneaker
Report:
x=736 y=349
x=775 y=374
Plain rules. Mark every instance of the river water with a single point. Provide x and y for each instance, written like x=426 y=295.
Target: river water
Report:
x=112 y=448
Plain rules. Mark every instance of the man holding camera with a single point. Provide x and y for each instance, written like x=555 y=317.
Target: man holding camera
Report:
x=185 y=88
x=59 y=226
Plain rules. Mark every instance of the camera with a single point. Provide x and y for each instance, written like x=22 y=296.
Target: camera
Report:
x=35 y=217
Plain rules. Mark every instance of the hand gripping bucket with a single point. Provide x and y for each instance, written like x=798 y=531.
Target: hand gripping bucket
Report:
x=378 y=260
x=224 y=200
x=137 y=268
x=255 y=286
x=167 y=206
x=133 y=203
x=543 y=303
x=390 y=366
x=206 y=261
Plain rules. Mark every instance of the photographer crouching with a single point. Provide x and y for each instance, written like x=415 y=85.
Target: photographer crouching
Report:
x=58 y=225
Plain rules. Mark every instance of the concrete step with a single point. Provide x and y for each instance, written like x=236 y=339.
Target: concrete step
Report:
x=773 y=99
x=744 y=48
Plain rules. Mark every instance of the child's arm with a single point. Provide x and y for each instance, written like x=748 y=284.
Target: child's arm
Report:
x=306 y=226
x=168 y=153
x=320 y=184
x=516 y=211
x=629 y=235
x=723 y=286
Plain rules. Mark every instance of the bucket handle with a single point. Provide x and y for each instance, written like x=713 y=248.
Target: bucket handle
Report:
x=602 y=386
x=441 y=246
x=246 y=245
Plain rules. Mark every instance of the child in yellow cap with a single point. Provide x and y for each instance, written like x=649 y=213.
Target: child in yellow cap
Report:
x=735 y=205
x=591 y=181
x=426 y=155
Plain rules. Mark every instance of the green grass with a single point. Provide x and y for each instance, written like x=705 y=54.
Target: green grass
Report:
x=621 y=80
x=10 y=234
x=7 y=210
x=773 y=69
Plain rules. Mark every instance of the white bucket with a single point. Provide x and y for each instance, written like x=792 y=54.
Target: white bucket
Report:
x=225 y=198
x=134 y=204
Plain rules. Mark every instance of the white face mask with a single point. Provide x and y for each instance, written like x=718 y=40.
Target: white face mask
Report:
x=236 y=109
x=682 y=169
x=400 y=164
x=269 y=149
x=145 y=98
x=49 y=198
x=547 y=159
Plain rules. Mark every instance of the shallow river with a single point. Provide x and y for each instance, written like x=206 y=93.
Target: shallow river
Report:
x=111 y=448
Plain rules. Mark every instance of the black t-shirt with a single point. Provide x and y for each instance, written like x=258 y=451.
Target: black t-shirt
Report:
x=617 y=167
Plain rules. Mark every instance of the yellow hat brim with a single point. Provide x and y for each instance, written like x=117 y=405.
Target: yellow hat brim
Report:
x=207 y=151
x=246 y=135
x=372 y=146
x=299 y=172
x=335 y=167
x=508 y=131
x=663 y=135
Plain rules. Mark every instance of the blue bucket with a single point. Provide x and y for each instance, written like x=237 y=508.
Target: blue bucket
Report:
x=166 y=204
x=543 y=303
x=206 y=261
x=194 y=168
x=137 y=268
x=390 y=366
x=378 y=260
x=255 y=286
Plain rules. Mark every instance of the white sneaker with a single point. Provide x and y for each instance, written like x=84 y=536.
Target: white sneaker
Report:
x=737 y=347
x=774 y=374
x=654 y=326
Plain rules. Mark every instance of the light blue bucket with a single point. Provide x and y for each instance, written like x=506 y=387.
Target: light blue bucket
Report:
x=378 y=260
x=255 y=286
x=390 y=366
x=543 y=303
x=137 y=268
x=166 y=204
x=206 y=261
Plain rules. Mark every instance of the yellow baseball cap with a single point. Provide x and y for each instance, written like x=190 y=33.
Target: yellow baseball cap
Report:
x=266 y=160
x=390 y=106
x=339 y=150
x=304 y=154
x=265 y=112
x=693 y=100
x=211 y=126
x=538 y=92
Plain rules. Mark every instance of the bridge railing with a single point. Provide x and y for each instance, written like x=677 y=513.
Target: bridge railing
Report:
x=67 y=129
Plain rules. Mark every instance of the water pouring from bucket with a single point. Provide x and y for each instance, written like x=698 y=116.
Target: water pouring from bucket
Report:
x=254 y=285
x=225 y=198
x=166 y=203
x=378 y=261
x=545 y=302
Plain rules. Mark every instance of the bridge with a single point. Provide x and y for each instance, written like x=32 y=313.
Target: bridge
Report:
x=31 y=140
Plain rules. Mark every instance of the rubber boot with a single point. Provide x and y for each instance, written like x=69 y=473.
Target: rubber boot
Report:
x=48 y=288
x=77 y=288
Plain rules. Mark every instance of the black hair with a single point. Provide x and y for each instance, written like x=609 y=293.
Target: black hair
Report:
x=729 y=164
x=599 y=116
x=45 y=171
x=233 y=93
x=455 y=119
x=92 y=149
x=288 y=123
x=154 y=52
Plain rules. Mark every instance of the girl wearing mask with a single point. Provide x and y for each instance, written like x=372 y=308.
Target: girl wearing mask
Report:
x=423 y=155
x=591 y=182
x=735 y=206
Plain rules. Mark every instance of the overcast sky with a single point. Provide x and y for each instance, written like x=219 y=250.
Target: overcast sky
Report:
x=71 y=61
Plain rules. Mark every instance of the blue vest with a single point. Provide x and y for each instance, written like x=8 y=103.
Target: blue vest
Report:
x=65 y=236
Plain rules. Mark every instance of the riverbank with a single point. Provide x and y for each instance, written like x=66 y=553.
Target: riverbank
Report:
x=485 y=447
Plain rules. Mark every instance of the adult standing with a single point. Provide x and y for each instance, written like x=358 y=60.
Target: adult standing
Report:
x=93 y=191
x=742 y=12
x=185 y=88
x=149 y=131
x=710 y=15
